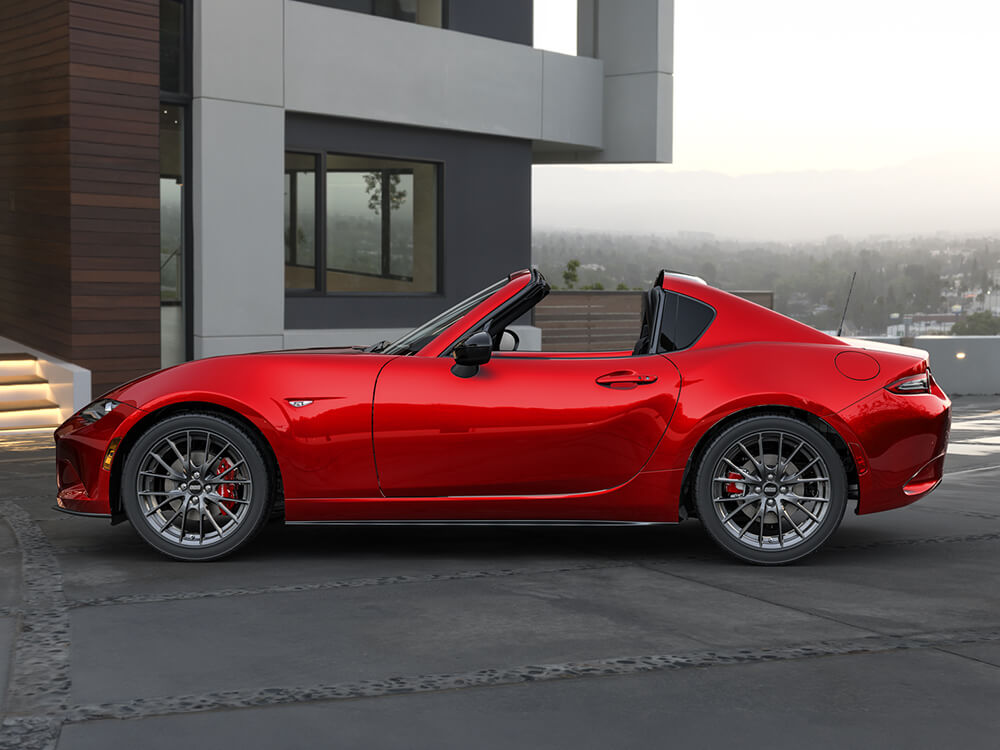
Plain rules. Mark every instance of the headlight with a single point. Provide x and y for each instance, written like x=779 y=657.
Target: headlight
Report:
x=98 y=409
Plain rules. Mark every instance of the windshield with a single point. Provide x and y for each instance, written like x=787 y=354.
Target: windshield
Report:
x=418 y=338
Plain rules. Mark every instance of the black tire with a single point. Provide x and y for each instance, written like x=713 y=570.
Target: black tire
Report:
x=776 y=499
x=228 y=494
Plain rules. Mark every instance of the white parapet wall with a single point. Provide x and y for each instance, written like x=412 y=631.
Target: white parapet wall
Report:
x=964 y=365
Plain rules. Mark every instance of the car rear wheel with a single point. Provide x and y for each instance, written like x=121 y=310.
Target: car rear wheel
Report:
x=770 y=490
x=196 y=487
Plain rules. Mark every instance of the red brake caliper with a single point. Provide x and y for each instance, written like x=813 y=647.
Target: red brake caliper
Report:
x=735 y=488
x=226 y=490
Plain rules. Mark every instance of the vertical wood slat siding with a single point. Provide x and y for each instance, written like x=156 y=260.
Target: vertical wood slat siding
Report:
x=34 y=175
x=586 y=321
x=79 y=182
x=114 y=100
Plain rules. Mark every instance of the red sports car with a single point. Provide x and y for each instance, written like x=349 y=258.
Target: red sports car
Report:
x=760 y=426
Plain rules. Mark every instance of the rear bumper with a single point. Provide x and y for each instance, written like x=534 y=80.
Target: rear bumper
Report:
x=904 y=439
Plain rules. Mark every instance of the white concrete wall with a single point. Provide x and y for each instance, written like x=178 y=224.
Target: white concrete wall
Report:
x=238 y=148
x=635 y=41
x=975 y=373
x=384 y=70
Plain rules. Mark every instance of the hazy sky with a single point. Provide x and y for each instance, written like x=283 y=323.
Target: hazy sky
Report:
x=787 y=85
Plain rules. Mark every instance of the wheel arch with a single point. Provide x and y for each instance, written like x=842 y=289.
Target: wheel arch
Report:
x=202 y=407
x=823 y=427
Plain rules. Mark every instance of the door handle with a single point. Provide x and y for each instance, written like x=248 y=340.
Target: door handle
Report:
x=624 y=379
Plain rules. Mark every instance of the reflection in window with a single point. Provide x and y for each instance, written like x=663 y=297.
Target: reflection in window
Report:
x=424 y=12
x=171 y=235
x=381 y=225
x=300 y=221
x=172 y=46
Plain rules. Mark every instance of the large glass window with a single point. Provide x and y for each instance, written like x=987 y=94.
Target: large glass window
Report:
x=172 y=46
x=172 y=221
x=424 y=12
x=175 y=87
x=380 y=224
x=300 y=221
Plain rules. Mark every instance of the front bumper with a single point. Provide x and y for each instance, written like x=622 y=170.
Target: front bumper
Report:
x=904 y=439
x=84 y=486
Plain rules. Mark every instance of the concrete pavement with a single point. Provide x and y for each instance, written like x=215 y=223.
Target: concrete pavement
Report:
x=493 y=638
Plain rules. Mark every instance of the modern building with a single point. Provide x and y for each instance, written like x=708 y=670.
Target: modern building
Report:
x=182 y=179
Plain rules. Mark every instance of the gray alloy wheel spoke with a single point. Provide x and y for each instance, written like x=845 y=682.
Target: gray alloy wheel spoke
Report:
x=743 y=531
x=760 y=469
x=157 y=507
x=805 y=510
x=794 y=478
x=784 y=464
x=792 y=522
x=775 y=451
x=210 y=465
x=177 y=453
x=749 y=501
x=168 y=501
x=222 y=507
x=212 y=520
x=165 y=465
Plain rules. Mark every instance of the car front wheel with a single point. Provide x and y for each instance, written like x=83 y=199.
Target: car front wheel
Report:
x=196 y=486
x=770 y=490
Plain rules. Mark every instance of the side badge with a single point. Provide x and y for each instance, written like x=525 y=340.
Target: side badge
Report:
x=298 y=403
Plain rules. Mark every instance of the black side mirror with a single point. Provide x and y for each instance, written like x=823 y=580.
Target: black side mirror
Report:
x=474 y=351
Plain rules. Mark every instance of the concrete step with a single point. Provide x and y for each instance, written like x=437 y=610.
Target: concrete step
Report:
x=34 y=404
x=12 y=380
x=14 y=364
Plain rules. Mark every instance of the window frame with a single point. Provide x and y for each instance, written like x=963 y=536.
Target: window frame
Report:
x=183 y=99
x=320 y=286
x=445 y=11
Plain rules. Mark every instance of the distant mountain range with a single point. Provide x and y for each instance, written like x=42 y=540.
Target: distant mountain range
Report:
x=958 y=193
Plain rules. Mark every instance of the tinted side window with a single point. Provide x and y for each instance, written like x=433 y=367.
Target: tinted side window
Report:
x=684 y=320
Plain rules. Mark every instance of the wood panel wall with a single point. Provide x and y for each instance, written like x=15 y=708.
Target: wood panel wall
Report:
x=79 y=161
x=34 y=175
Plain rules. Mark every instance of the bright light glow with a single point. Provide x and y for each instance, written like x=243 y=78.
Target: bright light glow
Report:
x=777 y=85
x=555 y=25
x=959 y=355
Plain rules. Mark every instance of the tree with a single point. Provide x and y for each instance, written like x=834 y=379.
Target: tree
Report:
x=978 y=324
x=569 y=275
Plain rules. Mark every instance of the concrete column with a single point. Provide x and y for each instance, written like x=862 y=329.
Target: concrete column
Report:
x=238 y=142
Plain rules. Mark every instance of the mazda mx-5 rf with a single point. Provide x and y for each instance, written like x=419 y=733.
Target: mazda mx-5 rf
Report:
x=763 y=428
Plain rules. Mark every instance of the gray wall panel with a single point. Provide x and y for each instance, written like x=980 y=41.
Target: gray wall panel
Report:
x=511 y=20
x=486 y=228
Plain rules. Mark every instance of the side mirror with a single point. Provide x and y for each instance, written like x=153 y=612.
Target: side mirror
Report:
x=474 y=351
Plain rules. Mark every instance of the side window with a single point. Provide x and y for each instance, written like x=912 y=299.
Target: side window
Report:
x=683 y=321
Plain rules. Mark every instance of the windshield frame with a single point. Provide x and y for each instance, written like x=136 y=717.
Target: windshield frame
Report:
x=432 y=338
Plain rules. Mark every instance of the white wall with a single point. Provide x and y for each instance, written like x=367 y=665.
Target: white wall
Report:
x=977 y=373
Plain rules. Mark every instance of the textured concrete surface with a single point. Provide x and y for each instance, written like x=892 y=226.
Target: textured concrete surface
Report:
x=495 y=638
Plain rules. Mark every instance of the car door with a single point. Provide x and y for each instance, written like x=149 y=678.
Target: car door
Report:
x=524 y=425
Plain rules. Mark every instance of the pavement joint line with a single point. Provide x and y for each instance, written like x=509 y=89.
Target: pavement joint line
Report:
x=990 y=537
x=39 y=681
x=349 y=583
x=757 y=598
x=969 y=471
x=139 y=708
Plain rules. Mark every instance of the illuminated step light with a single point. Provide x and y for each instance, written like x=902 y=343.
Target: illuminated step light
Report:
x=959 y=355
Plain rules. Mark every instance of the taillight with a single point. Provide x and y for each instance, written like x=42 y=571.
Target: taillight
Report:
x=912 y=384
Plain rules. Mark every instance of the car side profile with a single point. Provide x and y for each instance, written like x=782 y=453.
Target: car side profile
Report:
x=763 y=428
